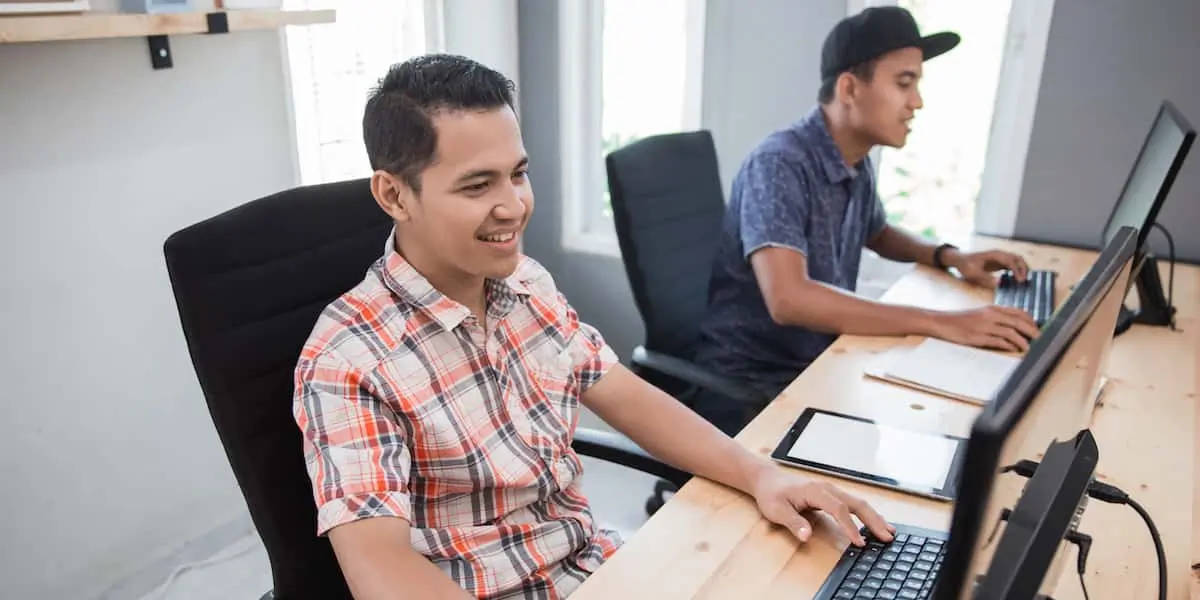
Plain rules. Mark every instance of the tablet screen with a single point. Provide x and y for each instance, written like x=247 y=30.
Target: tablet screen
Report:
x=910 y=457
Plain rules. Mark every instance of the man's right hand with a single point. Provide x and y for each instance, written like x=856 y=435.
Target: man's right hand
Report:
x=996 y=327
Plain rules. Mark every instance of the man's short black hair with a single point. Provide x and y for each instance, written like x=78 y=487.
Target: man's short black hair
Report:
x=398 y=120
x=864 y=71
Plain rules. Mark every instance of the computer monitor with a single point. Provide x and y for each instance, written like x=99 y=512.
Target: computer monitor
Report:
x=1146 y=188
x=1158 y=163
x=1038 y=414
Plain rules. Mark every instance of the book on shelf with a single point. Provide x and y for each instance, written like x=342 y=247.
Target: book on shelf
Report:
x=42 y=7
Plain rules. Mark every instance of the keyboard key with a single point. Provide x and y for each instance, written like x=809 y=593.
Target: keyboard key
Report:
x=923 y=564
x=901 y=538
x=908 y=595
x=844 y=595
x=892 y=584
x=928 y=556
x=912 y=584
x=916 y=539
x=884 y=565
x=865 y=595
x=886 y=595
x=855 y=577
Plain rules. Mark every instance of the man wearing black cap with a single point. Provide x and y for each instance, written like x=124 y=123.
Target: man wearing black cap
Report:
x=803 y=207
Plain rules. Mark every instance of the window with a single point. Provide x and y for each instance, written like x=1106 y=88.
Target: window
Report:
x=628 y=69
x=332 y=68
x=932 y=185
x=961 y=170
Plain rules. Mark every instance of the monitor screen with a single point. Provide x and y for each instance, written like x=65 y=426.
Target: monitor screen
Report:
x=1148 y=183
x=1049 y=398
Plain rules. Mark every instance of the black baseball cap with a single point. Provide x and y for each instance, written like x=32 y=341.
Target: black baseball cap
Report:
x=874 y=32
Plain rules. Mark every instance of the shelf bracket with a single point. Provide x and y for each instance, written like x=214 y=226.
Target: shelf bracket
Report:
x=160 y=46
x=160 y=52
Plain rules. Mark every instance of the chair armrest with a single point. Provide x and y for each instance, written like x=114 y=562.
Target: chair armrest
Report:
x=690 y=373
x=620 y=450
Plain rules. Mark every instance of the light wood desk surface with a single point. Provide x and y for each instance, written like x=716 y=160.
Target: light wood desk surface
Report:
x=710 y=542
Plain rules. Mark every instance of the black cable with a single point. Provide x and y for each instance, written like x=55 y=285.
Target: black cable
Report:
x=1113 y=495
x=1084 y=542
x=1158 y=546
x=1171 y=269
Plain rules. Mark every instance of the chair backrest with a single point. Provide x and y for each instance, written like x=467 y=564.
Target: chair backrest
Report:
x=249 y=284
x=668 y=207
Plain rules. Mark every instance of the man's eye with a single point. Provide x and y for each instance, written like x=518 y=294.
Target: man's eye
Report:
x=476 y=187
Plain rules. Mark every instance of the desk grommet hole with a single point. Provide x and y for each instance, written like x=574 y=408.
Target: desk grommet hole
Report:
x=916 y=406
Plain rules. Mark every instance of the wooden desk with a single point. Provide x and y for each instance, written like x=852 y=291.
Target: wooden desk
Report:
x=710 y=542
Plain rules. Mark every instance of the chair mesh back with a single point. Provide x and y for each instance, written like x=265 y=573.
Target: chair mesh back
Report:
x=249 y=285
x=668 y=207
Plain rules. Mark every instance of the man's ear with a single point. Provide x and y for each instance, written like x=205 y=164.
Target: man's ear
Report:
x=392 y=195
x=846 y=87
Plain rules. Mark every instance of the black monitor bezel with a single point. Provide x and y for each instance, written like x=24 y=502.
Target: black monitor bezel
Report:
x=1166 y=109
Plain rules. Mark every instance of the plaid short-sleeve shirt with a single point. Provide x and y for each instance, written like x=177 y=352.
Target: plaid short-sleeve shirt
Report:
x=410 y=408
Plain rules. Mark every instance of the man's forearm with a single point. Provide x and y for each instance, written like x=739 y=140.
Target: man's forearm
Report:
x=821 y=307
x=899 y=245
x=671 y=432
x=378 y=564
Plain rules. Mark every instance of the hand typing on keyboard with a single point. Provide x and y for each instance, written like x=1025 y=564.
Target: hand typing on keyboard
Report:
x=979 y=268
x=782 y=496
x=997 y=327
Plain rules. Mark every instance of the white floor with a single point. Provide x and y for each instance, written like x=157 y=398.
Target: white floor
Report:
x=618 y=496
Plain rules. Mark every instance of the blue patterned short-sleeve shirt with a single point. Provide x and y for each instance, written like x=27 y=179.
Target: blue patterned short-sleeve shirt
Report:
x=793 y=191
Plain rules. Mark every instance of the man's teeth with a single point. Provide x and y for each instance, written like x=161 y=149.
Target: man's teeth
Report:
x=502 y=237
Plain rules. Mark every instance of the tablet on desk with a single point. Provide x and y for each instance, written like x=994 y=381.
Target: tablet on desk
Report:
x=925 y=464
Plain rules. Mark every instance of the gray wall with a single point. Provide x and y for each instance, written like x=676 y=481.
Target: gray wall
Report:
x=595 y=285
x=1108 y=65
x=760 y=73
x=110 y=457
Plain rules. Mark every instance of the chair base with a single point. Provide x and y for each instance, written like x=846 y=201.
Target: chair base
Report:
x=656 y=501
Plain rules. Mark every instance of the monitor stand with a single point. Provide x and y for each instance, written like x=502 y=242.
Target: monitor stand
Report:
x=1049 y=508
x=1153 y=307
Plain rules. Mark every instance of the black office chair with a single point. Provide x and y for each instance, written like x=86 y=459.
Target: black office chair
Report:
x=668 y=207
x=249 y=285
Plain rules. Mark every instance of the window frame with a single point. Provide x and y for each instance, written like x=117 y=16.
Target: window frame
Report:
x=301 y=110
x=584 y=226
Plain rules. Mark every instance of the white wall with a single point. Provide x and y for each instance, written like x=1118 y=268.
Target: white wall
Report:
x=110 y=459
x=485 y=30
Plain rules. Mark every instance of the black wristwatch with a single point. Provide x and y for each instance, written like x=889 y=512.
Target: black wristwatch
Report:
x=937 y=256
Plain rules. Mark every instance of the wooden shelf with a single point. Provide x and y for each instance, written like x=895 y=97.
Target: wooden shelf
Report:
x=92 y=26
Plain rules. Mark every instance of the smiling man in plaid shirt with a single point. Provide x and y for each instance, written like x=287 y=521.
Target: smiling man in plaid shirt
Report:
x=438 y=398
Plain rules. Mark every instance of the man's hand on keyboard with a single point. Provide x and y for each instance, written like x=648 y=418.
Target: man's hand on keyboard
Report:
x=782 y=497
x=979 y=268
x=996 y=327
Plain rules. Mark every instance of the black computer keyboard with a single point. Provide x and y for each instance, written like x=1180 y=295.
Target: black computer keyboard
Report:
x=905 y=568
x=1035 y=295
